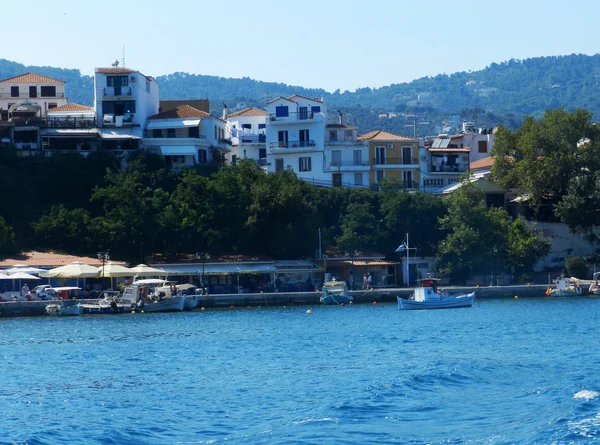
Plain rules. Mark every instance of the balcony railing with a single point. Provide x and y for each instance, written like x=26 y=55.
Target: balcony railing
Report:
x=456 y=168
x=69 y=123
x=251 y=138
x=294 y=116
x=395 y=161
x=25 y=95
x=117 y=91
x=111 y=119
x=334 y=164
x=292 y=144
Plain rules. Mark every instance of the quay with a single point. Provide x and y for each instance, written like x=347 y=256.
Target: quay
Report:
x=383 y=295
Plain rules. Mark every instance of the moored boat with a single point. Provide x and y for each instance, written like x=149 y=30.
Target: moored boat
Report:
x=153 y=295
x=565 y=287
x=427 y=296
x=594 y=287
x=110 y=303
x=190 y=293
x=335 y=292
x=67 y=307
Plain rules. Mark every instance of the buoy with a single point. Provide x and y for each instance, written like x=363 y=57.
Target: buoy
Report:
x=202 y=308
x=374 y=302
x=341 y=304
x=132 y=312
x=516 y=298
x=308 y=312
x=261 y=292
x=351 y=302
x=142 y=311
x=231 y=307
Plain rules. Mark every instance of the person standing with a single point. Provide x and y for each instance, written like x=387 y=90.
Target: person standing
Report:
x=24 y=290
x=365 y=283
x=369 y=281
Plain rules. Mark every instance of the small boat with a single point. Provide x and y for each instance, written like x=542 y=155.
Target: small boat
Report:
x=190 y=293
x=153 y=295
x=335 y=292
x=426 y=296
x=594 y=287
x=109 y=304
x=565 y=287
x=67 y=307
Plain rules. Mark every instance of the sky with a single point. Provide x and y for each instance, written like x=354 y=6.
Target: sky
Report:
x=329 y=44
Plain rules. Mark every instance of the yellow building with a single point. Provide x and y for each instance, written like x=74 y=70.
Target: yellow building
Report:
x=393 y=157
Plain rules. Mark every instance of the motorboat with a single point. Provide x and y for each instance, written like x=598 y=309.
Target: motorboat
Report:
x=66 y=307
x=427 y=296
x=110 y=303
x=565 y=287
x=335 y=292
x=594 y=287
x=190 y=292
x=153 y=295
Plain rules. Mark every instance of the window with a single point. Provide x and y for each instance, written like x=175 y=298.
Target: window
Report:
x=316 y=109
x=348 y=135
x=303 y=113
x=32 y=91
x=262 y=153
x=157 y=133
x=380 y=155
x=379 y=175
x=170 y=132
x=407 y=177
x=336 y=158
x=48 y=91
x=117 y=81
x=216 y=135
x=304 y=138
x=118 y=108
x=282 y=111
x=333 y=135
x=193 y=132
x=261 y=126
x=357 y=157
x=52 y=105
x=247 y=126
x=406 y=155
x=358 y=179
x=282 y=138
x=482 y=146
x=202 y=156
x=233 y=159
x=14 y=91
x=304 y=164
x=278 y=165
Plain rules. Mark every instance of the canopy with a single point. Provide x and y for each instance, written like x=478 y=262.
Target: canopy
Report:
x=110 y=270
x=23 y=276
x=76 y=269
x=147 y=271
x=23 y=268
x=178 y=150
x=172 y=123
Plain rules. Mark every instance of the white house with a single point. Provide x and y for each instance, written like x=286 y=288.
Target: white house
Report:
x=44 y=91
x=124 y=99
x=248 y=131
x=186 y=136
x=346 y=159
x=295 y=135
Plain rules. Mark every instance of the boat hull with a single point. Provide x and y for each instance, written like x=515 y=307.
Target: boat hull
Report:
x=191 y=301
x=91 y=308
x=338 y=299
x=167 y=305
x=58 y=309
x=443 y=303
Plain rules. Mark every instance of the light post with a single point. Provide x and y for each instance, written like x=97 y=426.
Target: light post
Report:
x=104 y=257
x=404 y=247
x=202 y=256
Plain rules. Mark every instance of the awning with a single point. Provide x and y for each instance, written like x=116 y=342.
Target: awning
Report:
x=216 y=268
x=256 y=268
x=72 y=132
x=115 y=135
x=178 y=150
x=173 y=123
x=180 y=269
x=450 y=150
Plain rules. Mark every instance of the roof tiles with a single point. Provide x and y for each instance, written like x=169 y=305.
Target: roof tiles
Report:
x=181 y=112
x=70 y=107
x=482 y=163
x=49 y=259
x=380 y=135
x=250 y=112
x=31 y=78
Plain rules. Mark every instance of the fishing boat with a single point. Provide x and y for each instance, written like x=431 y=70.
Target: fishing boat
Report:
x=594 y=287
x=67 y=307
x=335 y=292
x=427 y=296
x=110 y=303
x=191 y=295
x=565 y=287
x=153 y=295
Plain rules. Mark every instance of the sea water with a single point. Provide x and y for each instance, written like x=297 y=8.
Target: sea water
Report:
x=523 y=371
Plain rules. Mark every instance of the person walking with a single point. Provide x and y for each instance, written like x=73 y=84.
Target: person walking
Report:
x=364 y=281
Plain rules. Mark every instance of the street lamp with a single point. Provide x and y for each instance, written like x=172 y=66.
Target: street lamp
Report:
x=405 y=248
x=202 y=256
x=104 y=257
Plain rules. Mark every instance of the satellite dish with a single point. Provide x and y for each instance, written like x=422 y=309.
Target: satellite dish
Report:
x=115 y=63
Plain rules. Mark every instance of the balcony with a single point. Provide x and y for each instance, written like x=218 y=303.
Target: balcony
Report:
x=292 y=144
x=25 y=95
x=341 y=164
x=445 y=169
x=69 y=123
x=117 y=92
x=297 y=117
x=395 y=161
x=110 y=120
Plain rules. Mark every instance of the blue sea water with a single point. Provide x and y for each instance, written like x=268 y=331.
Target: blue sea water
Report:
x=503 y=372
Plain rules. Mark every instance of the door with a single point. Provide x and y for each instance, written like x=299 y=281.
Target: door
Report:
x=357 y=157
x=304 y=138
x=406 y=155
x=278 y=165
x=282 y=137
x=336 y=179
x=336 y=158
x=408 y=179
x=262 y=153
x=32 y=91
x=380 y=155
x=303 y=113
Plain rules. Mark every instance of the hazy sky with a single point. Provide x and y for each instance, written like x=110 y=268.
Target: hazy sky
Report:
x=330 y=44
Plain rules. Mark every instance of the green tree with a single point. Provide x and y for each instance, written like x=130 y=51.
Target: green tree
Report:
x=526 y=245
x=359 y=228
x=576 y=266
x=7 y=238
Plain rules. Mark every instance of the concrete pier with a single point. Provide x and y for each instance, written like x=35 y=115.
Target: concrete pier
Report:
x=34 y=308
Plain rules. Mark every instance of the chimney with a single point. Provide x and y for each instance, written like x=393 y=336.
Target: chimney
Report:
x=341 y=118
x=225 y=114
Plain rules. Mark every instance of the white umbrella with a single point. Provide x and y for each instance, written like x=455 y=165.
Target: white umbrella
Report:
x=143 y=270
x=114 y=270
x=76 y=269
x=23 y=268
x=22 y=276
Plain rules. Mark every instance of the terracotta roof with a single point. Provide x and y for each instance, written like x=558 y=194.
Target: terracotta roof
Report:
x=304 y=97
x=70 y=107
x=380 y=135
x=49 y=260
x=31 y=78
x=115 y=70
x=250 y=112
x=482 y=163
x=450 y=150
x=181 y=112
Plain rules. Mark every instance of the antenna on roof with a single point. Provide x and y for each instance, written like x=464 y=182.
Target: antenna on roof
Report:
x=123 y=55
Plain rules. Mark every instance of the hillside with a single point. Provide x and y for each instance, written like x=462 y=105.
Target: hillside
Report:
x=501 y=94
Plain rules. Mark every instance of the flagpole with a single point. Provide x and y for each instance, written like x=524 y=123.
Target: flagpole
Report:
x=407 y=260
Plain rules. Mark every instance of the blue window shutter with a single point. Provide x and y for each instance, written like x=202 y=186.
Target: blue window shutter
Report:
x=281 y=111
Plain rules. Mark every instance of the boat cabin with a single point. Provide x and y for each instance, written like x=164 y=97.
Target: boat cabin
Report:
x=427 y=290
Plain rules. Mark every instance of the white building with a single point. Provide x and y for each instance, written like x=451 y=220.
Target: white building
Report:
x=346 y=159
x=124 y=99
x=44 y=91
x=70 y=127
x=248 y=131
x=295 y=136
x=186 y=136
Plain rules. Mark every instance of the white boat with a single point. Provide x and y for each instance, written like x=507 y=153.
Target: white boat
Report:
x=153 y=295
x=110 y=303
x=191 y=295
x=335 y=292
x=565 y=287
x=594 y=287
x=428 y=297
x=67 y=307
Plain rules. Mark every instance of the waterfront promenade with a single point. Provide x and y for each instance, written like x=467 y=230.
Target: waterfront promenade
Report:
x=35 y=308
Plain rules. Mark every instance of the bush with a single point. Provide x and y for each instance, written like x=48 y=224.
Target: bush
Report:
x=576 y=266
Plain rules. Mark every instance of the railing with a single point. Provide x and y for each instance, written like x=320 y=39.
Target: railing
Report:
x=329 y=183
x=293 y=116
x=292 y=144
x=225 y=141
x=26 y=145
x=111 y=119
x=32 y=120
x=395 y=161
x=69 y=123
x=457 y=168
x=334 y=164
x=26 y=95
x=250 y=138
x=149 y=134
x=114 y=91
x=261 y=162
